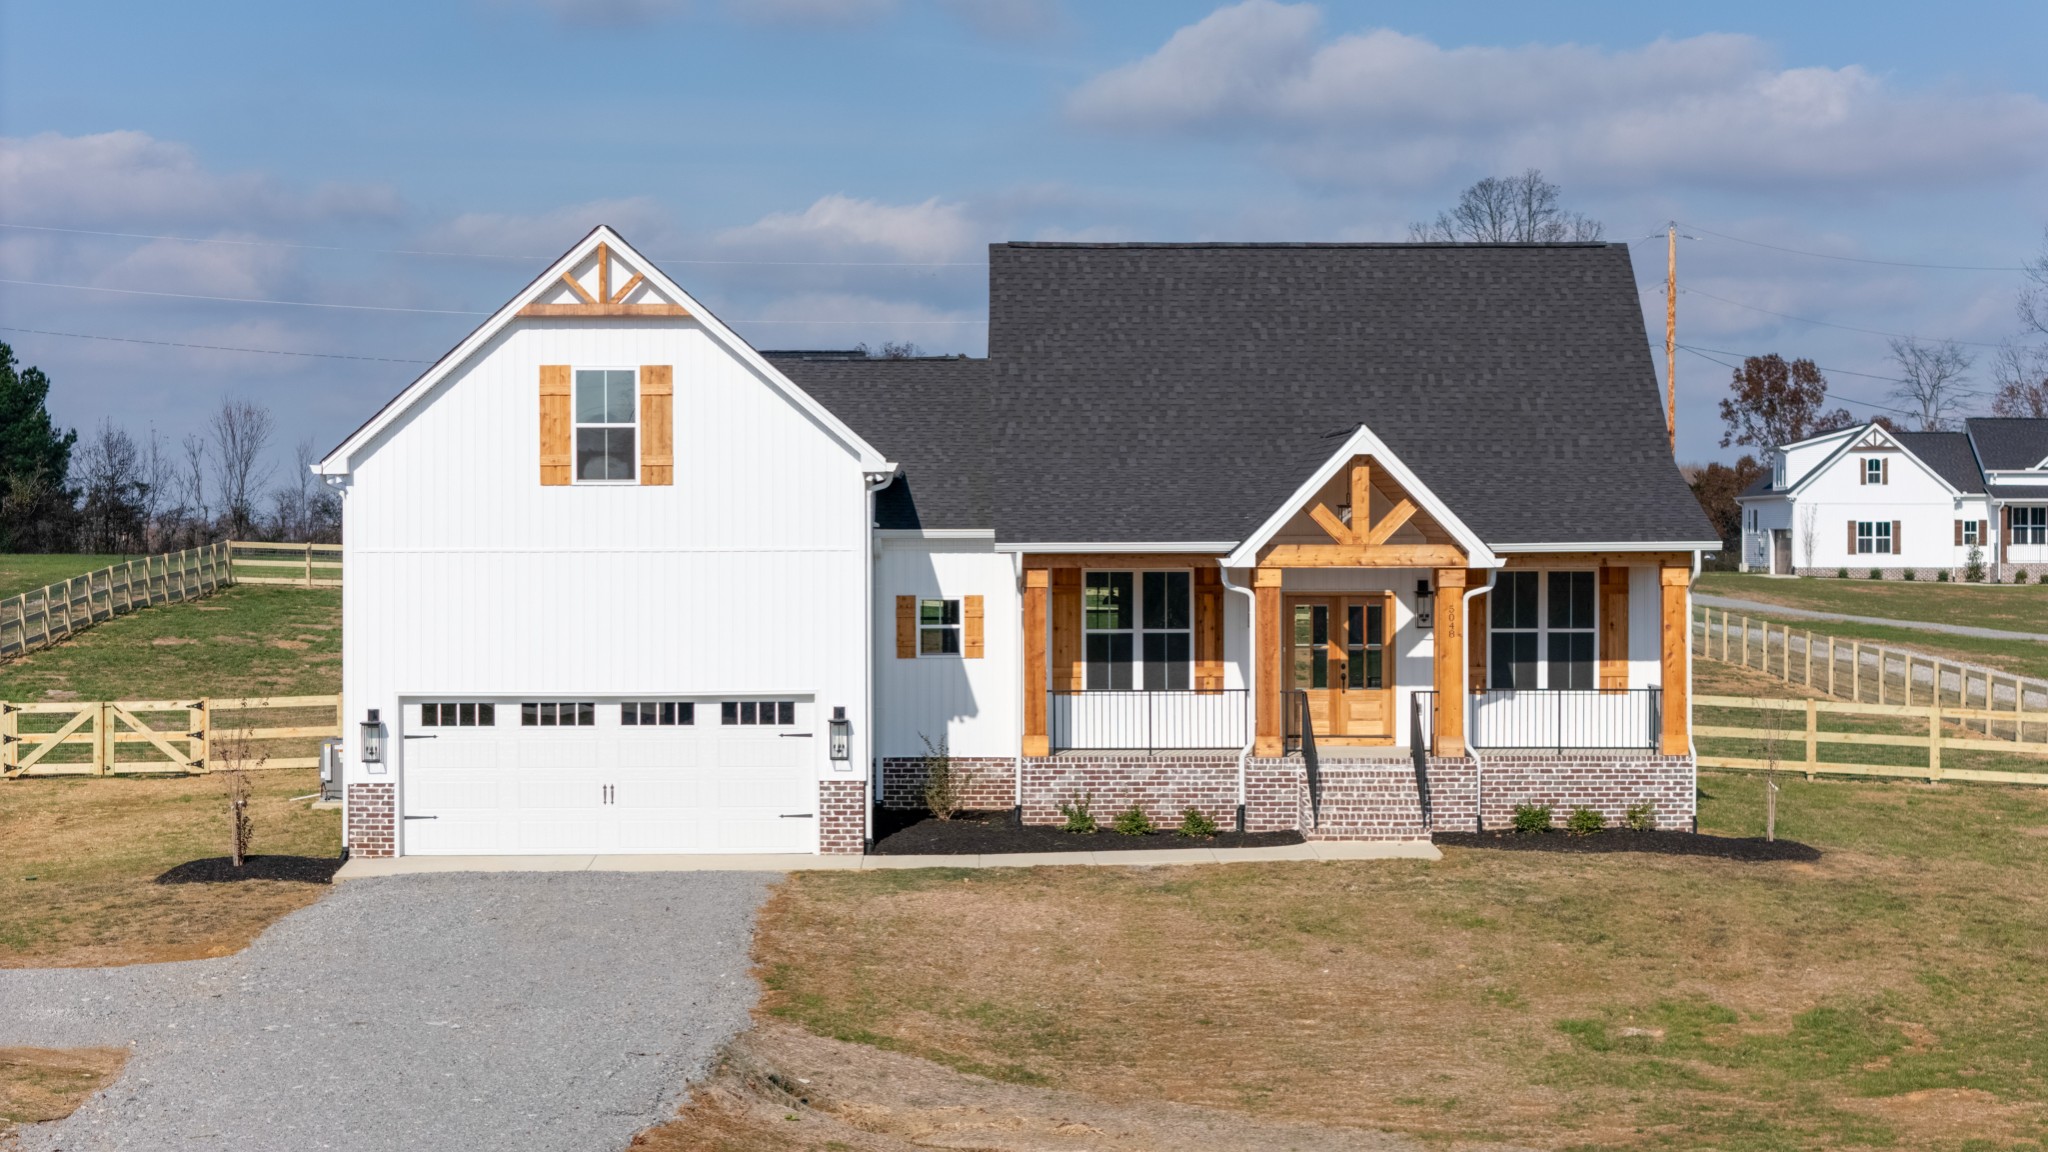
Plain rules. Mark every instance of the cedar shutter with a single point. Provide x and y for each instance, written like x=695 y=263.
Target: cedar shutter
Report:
x=1475 y=638
x=970 y=627
x=1959 y=533
x=1208 y=622
x=1898 y=537
x=906 y=627
x=556 y=448
x=2005 y=525
x=657 y=424
x=1613 y=662
x=1862 y=472
x=1852 y=538
x=1884 y=470
x=1068 y=671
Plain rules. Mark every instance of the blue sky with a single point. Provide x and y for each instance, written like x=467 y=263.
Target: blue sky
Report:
x=828 y=171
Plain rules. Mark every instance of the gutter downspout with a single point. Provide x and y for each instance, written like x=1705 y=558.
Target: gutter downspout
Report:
x=1017 y=759
x=1251 y=682
x=874 y=555
x=1691 y=742
x=1465 y=702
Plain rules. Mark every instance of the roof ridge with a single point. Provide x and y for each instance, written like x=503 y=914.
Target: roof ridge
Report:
x=1305 y=244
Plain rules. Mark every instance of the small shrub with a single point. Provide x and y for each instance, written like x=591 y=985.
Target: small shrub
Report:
x=1877 y=573
x=945 y=783
x=1941 y=577
x=1910 y=574
x=1973 y=565
x=1841 y=573
x=1584 y=822
x=2020 y=577
x=1532 y=817
x=1193 y=824
x=1131 y=822
x=1640 y=817
x=1079 y=818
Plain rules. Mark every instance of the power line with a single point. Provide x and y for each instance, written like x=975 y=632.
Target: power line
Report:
x=492 y=255
x=211 y=347
x=1838 y=396
x=1861 y=259
x=1828 y=323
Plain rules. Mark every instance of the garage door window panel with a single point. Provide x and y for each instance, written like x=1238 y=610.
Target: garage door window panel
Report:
x=657 y=713
x=757 y=712
x=558 y=714
x=454 y=714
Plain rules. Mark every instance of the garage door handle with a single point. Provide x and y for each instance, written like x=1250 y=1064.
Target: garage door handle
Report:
x=798 y=815
x=797 y=735
x=422 y=817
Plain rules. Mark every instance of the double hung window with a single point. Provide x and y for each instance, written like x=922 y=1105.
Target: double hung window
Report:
x=938 y=627
x=607 y=424
x=1137 y=630
x=1875 y=537
x=1541 y=631
x=1874 y=470
x=2030 y=525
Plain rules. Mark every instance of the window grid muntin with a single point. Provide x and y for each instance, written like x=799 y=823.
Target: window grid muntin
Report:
x=2030 y=525
x=938 y=627
x=1873 y=537
x=1137 y=630
x=605 y=407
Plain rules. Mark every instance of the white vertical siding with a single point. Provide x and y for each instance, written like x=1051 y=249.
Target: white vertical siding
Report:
x=971 y=704
x=746 y=576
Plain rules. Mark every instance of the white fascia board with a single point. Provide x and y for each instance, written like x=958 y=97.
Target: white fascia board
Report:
x=1821 y=438
x=1364 y=443
x=336 y=463
x=1599 y=546
x=1218 y=546
x=936 y=533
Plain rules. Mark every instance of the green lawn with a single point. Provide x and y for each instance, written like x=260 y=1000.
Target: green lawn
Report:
x=25 y=572
x=2022 y=657
x=241 y=641
x=2012 y=608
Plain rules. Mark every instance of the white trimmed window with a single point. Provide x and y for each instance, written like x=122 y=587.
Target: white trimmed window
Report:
x=1874 y=537
x=1970 y=539
x=463 y=714
x=1541 y=630
x=1137 y=630
x=1874 y=470
x=2030 y=525
x=938 y=627
x=607 y=425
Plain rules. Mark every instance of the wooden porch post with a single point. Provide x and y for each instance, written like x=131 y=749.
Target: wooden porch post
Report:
x=1035 y=583
x=1271 y=737
x=1448 y=661
x=1676 y=581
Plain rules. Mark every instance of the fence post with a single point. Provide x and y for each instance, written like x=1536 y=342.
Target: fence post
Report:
x=103 y=737
x=202 y=735
x=1809 y=658
x=1909 y=679
x=1745 y=642
x=309 y=563
x=1856 y=670
x=1812 y=737
x=2019 y=708
x=10 y=730
x=1933 y=743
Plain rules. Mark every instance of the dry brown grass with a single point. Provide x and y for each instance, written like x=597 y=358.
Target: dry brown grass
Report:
x=43 y=1084
x=1842 y=1004
x=79 y=859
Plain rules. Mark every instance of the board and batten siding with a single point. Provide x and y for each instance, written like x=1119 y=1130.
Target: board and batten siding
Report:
x=1913 y=497
x=745 y=576
x=971 y=703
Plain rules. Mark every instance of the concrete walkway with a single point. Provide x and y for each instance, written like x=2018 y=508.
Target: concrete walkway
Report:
x=360 y=868
x=1733 y=605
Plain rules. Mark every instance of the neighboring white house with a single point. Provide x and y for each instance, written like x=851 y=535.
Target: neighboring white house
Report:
x=1866 y=498
x=619 y=583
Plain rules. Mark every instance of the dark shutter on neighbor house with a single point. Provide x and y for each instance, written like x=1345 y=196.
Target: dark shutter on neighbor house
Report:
x=1852 y=537
x=1981 y=537
x=1959 y=533
x=1884 y=470
x=1898 y=537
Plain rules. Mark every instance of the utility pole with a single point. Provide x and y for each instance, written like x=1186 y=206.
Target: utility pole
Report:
x=1671 y=337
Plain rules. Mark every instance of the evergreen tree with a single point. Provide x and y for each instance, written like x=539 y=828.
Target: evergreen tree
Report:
x=36 y=511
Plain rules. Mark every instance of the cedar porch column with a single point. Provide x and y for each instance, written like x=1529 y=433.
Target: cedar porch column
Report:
x=1036 y=581
x=1676 y=581
x=1271 y=734
x=1448 y=662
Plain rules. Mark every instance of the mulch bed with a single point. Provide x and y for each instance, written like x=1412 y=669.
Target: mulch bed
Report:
x=222 y=870
x=1626 y=840
x=901 y=833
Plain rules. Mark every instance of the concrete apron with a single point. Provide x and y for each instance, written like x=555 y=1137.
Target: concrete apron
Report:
x=359 y=868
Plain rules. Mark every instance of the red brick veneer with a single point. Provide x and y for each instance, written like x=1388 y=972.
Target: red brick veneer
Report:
x=1607 y=782
x=991 y=786
x=371 y=827
x=1164 y=785
x=842 y=817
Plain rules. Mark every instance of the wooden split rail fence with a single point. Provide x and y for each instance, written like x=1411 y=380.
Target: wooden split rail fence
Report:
x=1999 y=704
x=299 y=565
x=39 y=619
x=1789 y=735
x=104 y=737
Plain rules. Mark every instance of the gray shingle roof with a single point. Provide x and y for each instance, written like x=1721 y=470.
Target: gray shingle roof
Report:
x=1183 y=392
x=928 y=415
x=2008 y=444
x=1949 y=454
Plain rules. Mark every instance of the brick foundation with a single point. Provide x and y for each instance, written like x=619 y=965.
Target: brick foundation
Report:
x=1453 y=793
x=1164 y=785
x=371 y=827
x=1369 y=800
x=1275 y=794
x=1607 y=782
x=1993 y=573
x=842 y=817
x=991 y=783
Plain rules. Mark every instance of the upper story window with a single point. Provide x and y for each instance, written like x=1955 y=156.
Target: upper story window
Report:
x=938 y=627
x=1875 y=470
x=607 y=424
x=1137 y=630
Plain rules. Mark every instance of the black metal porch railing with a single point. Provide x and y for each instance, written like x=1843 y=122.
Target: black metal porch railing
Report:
x=1301 y=737
x=1152 y=721
x=1558 y=719
x=1421 y=726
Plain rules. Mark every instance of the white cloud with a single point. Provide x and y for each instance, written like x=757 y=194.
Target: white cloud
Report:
x=839 y=227
x=1383 y=106
x=546 y=235
x=131 y=179
x=842 y=319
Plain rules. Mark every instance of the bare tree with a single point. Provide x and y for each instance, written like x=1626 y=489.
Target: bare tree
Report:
x=240 y=433
x=1509 y=209
x=158 y=479
x=1809 y=531
x=195 y=517
x=1931 y=377
x=2022 y=378
x=107 y=469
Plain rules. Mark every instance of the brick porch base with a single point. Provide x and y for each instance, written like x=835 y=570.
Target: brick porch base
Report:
x=371 y=827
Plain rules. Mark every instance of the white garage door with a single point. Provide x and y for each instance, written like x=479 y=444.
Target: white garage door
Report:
x=494 y=776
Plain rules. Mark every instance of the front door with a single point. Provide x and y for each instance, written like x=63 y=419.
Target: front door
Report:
x=1338 y=654
x=1781 y=552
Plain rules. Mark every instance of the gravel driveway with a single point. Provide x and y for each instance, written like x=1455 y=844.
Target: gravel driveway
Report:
x=510 y=1011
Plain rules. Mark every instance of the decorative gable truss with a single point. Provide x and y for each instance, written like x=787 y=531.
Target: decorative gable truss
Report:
x=1376 y=525
x=587 y=292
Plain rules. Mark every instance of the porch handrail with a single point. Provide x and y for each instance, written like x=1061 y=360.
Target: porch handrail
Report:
x=1309 y=762
x=1560 y=719
x=1422 y=704
x=1151 y=719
